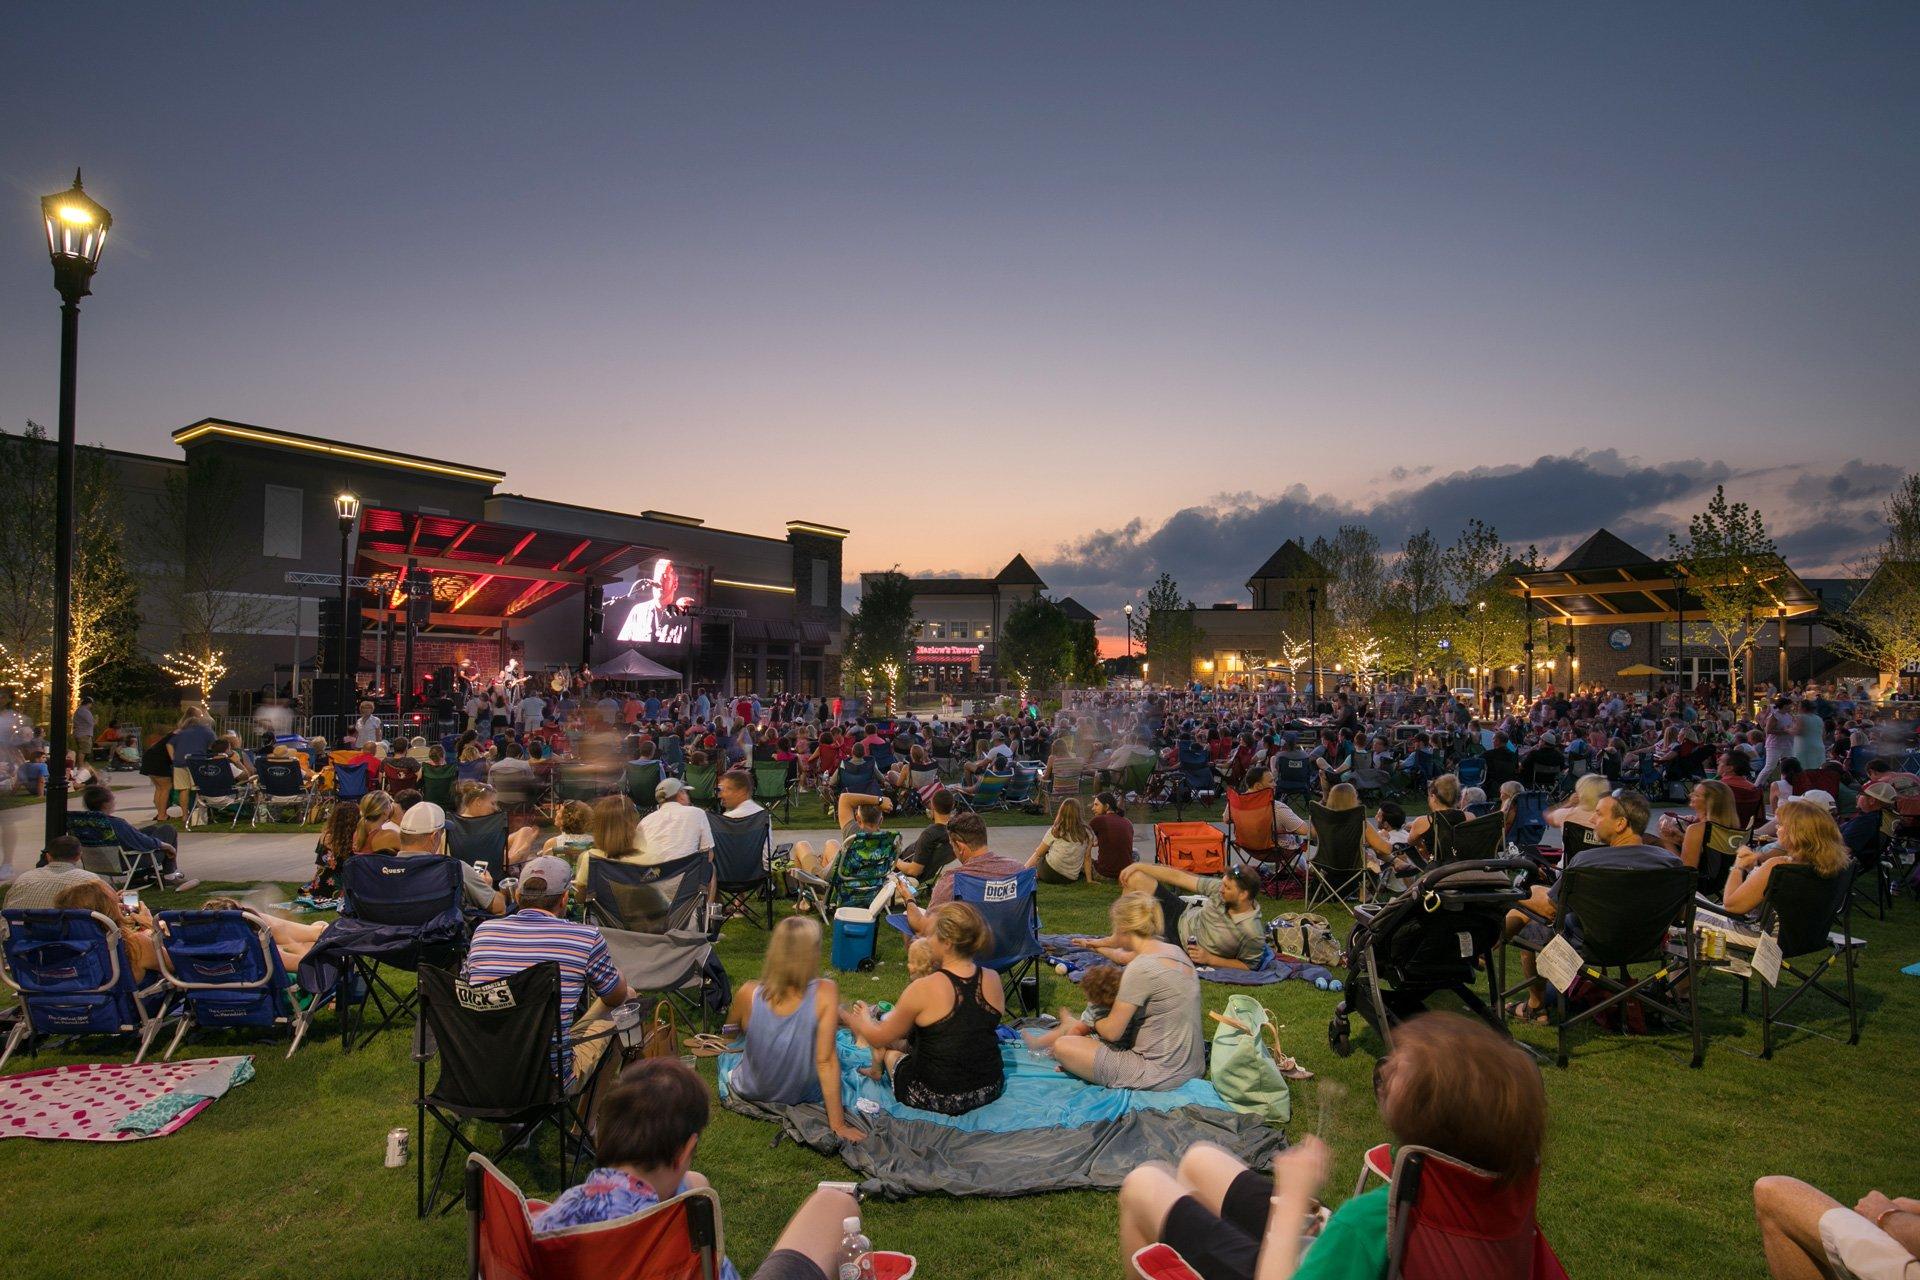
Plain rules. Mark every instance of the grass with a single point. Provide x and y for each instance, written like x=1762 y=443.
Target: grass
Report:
x=1648 y=1173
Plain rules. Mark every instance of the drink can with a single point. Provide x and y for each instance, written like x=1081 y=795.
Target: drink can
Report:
x=396 y=1148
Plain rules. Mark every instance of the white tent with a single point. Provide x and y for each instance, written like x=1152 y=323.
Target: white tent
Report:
x=632 y=665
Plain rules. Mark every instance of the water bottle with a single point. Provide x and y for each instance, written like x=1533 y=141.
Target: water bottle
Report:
x=856 y=1252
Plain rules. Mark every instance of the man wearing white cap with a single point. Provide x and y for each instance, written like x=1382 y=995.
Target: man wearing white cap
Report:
x=676 y=829
x=423 y=830
x=539 y=931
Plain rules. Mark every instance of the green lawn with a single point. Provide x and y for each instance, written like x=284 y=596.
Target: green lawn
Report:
x=1648 y=1171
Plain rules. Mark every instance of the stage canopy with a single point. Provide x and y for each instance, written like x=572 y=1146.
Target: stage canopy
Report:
x=1606 y=580
x=485 y=575
x=633 y=665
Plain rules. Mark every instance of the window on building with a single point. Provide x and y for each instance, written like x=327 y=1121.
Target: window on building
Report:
x=819 y=583
x=280 y=531
x=983 y=632
x=934 y=631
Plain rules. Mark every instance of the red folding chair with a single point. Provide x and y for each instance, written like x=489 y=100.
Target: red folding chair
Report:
x=1450 y=1221
x=1250 y=834
x=677 y=1239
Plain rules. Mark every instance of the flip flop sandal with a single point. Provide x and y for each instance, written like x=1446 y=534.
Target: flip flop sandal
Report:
x=706 y=1045
x=1291 y=1069
x=1531 y=1015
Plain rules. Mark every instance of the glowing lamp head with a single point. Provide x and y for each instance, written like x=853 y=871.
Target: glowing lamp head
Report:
x=76 y=228
x=347 y=507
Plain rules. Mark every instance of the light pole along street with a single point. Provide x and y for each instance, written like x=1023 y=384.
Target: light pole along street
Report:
x=76 y=232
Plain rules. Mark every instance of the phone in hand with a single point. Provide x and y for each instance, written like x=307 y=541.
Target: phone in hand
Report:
x=129 y=900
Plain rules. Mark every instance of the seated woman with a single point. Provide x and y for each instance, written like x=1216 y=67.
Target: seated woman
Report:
x=615 y=829
x=949 y=1019
x=1451 y=1083
x=331 y=851
x=478 y=803
x=1152 y=1037
x=1712 y=803
x=1443 y=806
x=1579 y=809
x=379 y=828
x=789 y=1018
x=1064 y=854
x=136 y=925
x=1808 y=835
x=646 y=1128
x=291 y=938
x=857 y=816
x=574 y=818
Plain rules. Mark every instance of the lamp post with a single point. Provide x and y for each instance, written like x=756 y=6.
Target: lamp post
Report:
x=1529 y=646
x=1780 y=635
x=1485 y=670
x=1128 y=610
x=76 y=232
x=347 y=507
x=1313 y=643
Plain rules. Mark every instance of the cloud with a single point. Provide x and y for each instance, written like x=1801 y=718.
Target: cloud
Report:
x=1821 y=519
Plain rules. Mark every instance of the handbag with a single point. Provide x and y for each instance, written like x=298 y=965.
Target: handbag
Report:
x=1246 y=1075
x=660 y=1039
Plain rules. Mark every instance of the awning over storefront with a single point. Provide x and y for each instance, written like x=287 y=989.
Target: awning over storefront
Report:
x=485 y=575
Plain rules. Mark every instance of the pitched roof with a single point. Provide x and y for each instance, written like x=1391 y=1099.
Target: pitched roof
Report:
x=1603 y=551
x=1078 y=612
x=1018 y=573
x=1290 y=561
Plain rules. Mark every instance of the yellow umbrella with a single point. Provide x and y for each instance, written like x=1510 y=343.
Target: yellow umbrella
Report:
x=1641 y=669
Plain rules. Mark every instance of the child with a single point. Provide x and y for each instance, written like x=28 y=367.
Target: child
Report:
x=575 y=820
x=1101 y=986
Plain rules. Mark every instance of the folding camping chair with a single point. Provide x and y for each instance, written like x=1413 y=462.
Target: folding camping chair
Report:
x=1800 y=910
x=229 y=974
x=1337 y=867
x=1576 y=837
x=499 y=1044
x=100 y=852
x=703 y=782
x=1293 y=775
x=282 y=787
x=437 y=782
x=679 y=1238
x=742 y=851
x=479 y=839
x=641 y=780
x=1447 y=1220
x=1529 y=819
x=1624 y=914
x=1011 y=908
x=350 y=781
x=1250 y=836
x=989 y=793
x=656 y=920
x=1474 y=840
x=772 y=786
x=1065 y=781
x=70 y=971
x=217 y=791
x=397 y=911
x=1718 y=848
x=1018 y=790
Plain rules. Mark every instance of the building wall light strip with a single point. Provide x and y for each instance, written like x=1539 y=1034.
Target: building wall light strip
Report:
x=807 y=526
x=339 y=450
x=752 y=586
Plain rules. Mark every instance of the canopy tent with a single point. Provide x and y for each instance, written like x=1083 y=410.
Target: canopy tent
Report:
x=633 y=665
x=1641 y=669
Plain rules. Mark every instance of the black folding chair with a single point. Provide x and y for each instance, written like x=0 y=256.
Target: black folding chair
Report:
x=1624 y=915
x=655 y=920
x=499 y=1044
x=1337 y=868
x=1801 y=909
x=1475 y=840
x=741 y=848
x=397 y=911
x=480 y=840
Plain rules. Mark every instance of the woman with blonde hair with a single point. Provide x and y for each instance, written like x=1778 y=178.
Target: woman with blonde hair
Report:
x=615 y=828
x=950 y=1020
x=135 y=924
x=1156 y=1015
x=1062 y=854
x=788 y=1019
x=1443 y=806
x=1343 y=795
x=379 y=829
x=1713 y=806
x=1808 y=836
x=1587 y=794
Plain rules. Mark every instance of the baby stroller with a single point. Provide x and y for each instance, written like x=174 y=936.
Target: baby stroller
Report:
x=1437 y=936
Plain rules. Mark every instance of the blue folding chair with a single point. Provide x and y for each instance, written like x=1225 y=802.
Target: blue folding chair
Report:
x=1529 y=825
x=229 y=974
x=69 y=968
x=218 y=791
x=350 y=781
x=1011 y=908
x=102 y=854
x=396 y=911
x=283 y=786
x=1471 y=770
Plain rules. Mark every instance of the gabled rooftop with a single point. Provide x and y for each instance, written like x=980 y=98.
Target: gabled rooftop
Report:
x=1291 y=560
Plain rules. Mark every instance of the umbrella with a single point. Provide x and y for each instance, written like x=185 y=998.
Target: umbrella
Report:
x=632 y=665
x=1641 y=669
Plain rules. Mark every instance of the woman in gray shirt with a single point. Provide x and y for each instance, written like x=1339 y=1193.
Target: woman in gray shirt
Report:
x=1152 y=1038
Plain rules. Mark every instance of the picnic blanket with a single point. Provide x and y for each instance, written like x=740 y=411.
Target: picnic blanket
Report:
x=115 y=1101
x=1072 y=961
x=1047 y=1132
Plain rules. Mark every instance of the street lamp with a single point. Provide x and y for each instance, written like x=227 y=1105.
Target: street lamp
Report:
x=1128 y=610
x=347 y=507
x=76 y=232
x=1313 y=642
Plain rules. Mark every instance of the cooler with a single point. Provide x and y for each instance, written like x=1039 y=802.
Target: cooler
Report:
x=855 y=938
x=1199 y=848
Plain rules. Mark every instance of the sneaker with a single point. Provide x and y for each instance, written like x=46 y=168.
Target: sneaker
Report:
x=172 y=878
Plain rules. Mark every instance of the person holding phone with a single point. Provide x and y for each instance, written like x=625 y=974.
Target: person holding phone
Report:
x=135 y=921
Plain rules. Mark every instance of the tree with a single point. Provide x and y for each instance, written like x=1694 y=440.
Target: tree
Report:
x=1489 y=623
x=1410 y=633
x=880 y=637
x=1036 y=644
x=1294 y=655
x=1083 y=658
x=1881 y=628
x=1170 y=634
x=1359 y=583
x=207 y=567
x=104 y=597
x=1727 y=560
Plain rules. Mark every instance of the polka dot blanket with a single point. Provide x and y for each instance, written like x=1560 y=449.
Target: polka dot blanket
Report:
x=114 y=1101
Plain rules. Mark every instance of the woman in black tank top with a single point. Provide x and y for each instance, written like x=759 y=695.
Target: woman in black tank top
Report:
x=952 y=1063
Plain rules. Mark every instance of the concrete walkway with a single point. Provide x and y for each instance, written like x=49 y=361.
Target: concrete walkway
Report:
x=210 y=853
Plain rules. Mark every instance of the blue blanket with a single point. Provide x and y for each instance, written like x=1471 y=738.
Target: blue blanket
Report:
x=1073 y=961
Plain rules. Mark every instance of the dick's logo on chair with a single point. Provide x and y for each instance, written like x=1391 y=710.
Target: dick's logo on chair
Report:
x=1000 y=891
x=484 y=997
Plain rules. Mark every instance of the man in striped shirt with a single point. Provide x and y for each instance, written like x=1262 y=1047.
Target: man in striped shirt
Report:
x=539 y=931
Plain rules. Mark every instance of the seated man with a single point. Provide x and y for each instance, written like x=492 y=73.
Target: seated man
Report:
x=675 y=829
x=1808 y=1235
x=996 y=759
x=1619 y=824
x=1223 y=932
x=647 y=1127
x=860 y=817
x=972 y=857
x=31 y=778
x=423 y=831
x=539 y=930
x=932 y=849
x=40 y=887
x=155 y=836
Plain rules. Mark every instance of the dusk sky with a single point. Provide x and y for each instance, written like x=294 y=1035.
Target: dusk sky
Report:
x=1124 y=287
